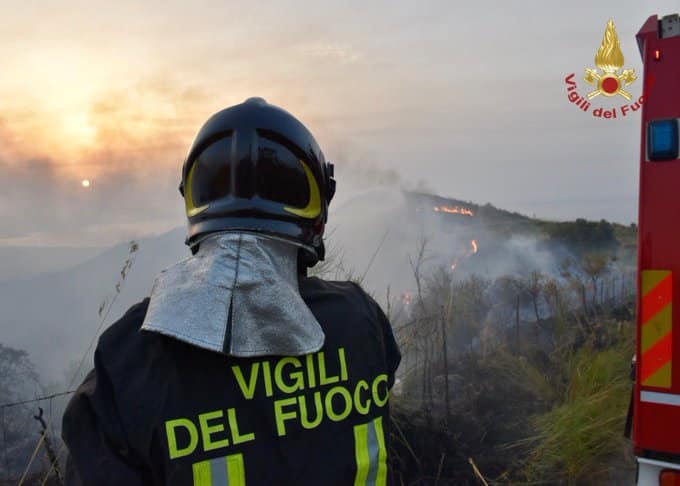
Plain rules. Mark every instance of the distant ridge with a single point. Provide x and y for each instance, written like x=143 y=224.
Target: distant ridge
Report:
x=52 y=314
x=24 y=262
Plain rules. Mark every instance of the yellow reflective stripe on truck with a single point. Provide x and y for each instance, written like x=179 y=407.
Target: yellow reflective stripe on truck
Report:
x=656 y=333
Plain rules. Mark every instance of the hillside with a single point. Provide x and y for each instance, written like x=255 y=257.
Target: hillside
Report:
x=485 y=304
x=25 y=262
x=374 y=237
x=53 y=315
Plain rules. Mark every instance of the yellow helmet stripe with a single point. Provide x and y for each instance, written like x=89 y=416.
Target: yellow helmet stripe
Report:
x=192 y=210
x=313 y=207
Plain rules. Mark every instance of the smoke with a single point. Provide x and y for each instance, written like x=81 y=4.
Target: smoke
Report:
x=379 y=232
x=132 y=143
x=41 y=205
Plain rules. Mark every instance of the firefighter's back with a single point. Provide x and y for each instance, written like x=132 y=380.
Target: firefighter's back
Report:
x=188 y=416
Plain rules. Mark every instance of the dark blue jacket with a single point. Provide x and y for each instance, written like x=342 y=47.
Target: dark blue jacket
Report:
x=158 y=411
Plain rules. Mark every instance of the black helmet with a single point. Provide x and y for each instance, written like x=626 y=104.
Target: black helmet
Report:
x=255 y=167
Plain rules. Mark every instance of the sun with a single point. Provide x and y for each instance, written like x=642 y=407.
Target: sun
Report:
x=85 y=183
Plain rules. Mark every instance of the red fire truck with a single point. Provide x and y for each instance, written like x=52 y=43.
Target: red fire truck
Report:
x=656 y=410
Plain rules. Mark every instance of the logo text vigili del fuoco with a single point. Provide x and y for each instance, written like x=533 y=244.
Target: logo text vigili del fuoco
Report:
x=607 y=80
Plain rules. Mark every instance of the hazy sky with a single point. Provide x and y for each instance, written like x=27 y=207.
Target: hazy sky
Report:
x=466 y=99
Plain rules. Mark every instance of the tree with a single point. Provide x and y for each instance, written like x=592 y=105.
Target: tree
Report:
x=576 y=281
x=594 y=265
x=533 y=284
x=16 y=369
x=510 y=292
x=583 y=236
x=552 y=292
x=17 y=379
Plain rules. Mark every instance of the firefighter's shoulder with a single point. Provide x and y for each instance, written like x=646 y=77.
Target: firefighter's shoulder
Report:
x=346 y=308
x=332 y=295
x=130 y=321
x=123 y=336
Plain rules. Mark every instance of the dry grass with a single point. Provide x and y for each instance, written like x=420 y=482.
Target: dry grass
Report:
x=580 y=441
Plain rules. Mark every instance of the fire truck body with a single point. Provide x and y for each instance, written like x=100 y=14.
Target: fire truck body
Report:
x=656 y=423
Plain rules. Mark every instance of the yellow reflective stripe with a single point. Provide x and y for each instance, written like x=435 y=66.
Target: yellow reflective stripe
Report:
x=652 y=278
x=192 y=210
x=313 y=207
x=381 y=479
x=656 y=328
x=236 y=470
x=202 y=476
x=221 y=471
x=361 y=454
x=661 y=377
x=370 y=453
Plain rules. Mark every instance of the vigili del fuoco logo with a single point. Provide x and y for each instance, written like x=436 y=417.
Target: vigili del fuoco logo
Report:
x=608 y=79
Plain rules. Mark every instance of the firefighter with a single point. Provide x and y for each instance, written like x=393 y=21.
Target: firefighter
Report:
x=239 y=369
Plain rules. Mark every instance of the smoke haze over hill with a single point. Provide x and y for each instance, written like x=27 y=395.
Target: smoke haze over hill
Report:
x=375 y=236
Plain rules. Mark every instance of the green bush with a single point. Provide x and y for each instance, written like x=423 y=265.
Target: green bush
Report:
x=582 y=235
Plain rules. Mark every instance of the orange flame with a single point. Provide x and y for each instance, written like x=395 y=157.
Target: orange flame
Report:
x=454 y=210
x=475 y=249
